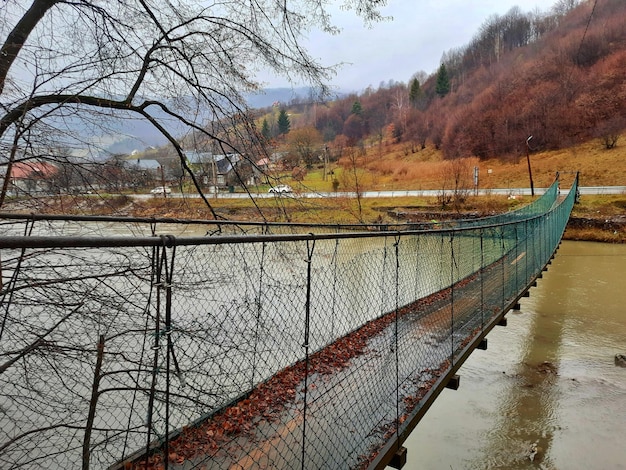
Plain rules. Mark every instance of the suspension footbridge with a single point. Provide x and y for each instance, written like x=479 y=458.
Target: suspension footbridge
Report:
x=196 y=344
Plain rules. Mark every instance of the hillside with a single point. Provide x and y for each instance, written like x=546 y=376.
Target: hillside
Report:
x=564 y=88
x=549 y=85
x=427 y=168
x=557 y=77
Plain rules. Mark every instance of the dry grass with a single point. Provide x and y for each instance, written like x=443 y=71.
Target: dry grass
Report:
x=595 y=235
x=392 y=166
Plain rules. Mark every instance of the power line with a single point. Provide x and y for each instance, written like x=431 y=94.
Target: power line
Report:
x=593 y=9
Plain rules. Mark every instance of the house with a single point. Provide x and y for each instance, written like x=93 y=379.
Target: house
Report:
x=32 y=177
x=145 y=164
x=264 y=164
x=146 y=172
x=212 y=169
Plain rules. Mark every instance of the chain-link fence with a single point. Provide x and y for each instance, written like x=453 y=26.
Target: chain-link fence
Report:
x=243 y=347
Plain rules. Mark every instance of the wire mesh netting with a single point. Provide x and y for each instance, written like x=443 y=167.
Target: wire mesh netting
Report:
x=184 y=346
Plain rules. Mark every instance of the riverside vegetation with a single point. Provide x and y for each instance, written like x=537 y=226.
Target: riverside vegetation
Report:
x=392 y=167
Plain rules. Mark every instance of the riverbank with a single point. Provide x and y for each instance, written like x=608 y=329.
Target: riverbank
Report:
x=598 y=218
x=594 y=218
x=607 y=230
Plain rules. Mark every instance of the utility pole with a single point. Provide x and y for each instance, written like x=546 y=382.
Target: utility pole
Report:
x=163 y=181
x=214 y=174
x=325 y=161
x=530 y=174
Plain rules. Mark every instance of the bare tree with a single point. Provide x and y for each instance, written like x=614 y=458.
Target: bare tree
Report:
x=173 y=65
x=305 y=143
x=562 y=7
x=354 y=178
x=71 y=67
x=455 y=183
x=609 y=131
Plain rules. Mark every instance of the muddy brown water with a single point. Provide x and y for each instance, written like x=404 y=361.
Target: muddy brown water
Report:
x=547 y=379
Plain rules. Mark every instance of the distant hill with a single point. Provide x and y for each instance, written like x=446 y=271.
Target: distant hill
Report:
x=123 y=136
x=269 y=96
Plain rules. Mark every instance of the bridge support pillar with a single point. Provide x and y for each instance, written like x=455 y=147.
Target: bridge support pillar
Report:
x=483 y=344
x=517 y=306
x=399 y=458
x=454 y=382
x=502 y=321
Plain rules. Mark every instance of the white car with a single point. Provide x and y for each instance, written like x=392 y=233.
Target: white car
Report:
x=281 y=188
x=161 y=190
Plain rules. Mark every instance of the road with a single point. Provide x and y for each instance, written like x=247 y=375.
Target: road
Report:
x=584 y=190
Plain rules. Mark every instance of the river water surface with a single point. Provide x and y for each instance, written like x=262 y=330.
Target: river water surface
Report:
x=548 y=378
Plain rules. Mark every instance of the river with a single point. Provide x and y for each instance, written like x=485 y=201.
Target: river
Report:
x=548 y=378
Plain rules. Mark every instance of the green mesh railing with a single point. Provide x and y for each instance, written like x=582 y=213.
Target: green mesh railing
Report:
x=312 y=351
x=539 y=206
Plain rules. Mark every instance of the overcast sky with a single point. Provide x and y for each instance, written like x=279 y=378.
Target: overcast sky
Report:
x=415 y=39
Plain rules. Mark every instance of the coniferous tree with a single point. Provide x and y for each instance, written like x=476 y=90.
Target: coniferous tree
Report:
x=283 y=122
x=443 y=81
x=357 y=108
x=265 y=130
x=415 y=92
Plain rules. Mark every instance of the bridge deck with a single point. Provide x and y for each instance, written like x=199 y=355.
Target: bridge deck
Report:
x=266 y=428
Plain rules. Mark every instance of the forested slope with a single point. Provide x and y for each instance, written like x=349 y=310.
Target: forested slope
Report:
x=557 y=76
